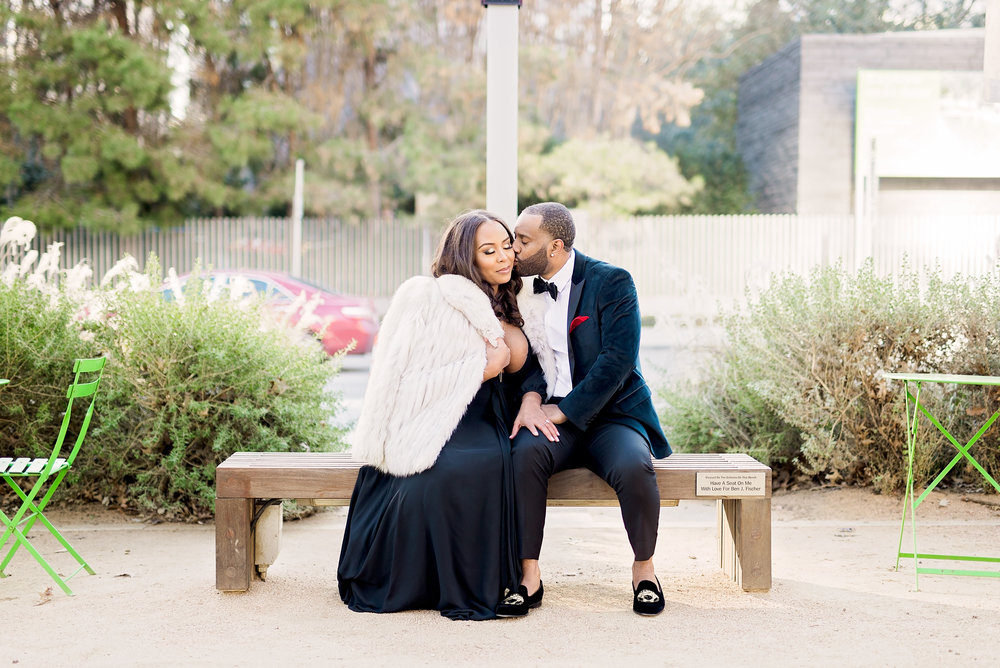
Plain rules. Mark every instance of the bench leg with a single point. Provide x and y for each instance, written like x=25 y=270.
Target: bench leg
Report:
x=745 y=542
x=233 y=544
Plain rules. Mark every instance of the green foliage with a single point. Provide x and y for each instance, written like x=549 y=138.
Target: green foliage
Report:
x=384 y=100
x=188 y=382
x=797 y=383
x=72 y=112
x=842 y=16
x=867 y=16
x=191 y=383
x=117 y=115
x=88 y=131
x=39 y=339
x=706 y=150
x=614 y=176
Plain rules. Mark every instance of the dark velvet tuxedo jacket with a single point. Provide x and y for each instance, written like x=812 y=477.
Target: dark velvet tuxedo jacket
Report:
x=603 y=322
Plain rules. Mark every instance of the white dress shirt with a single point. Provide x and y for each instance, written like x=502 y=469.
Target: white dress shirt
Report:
x=556 y=327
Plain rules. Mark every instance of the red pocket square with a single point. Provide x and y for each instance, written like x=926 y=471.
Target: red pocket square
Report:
x=577 y=321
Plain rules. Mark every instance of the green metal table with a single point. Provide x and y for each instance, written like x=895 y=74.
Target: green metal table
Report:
x=912 y=383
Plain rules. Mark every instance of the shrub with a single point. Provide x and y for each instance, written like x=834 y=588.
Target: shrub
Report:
x=188 y=382
x=193 y=381
x=39 y=339
x=797 y=383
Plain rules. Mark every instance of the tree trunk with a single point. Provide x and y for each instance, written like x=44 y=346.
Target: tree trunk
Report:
x=119 y=10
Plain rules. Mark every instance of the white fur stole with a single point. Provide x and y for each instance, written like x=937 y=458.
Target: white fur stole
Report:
x=426 y=367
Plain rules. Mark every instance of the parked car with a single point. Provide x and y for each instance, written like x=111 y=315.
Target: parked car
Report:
x=337 y=318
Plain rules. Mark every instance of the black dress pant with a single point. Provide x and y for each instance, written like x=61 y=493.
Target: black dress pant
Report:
x=615 y=452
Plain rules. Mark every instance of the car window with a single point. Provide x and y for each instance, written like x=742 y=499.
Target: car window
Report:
x=262 y=286
x=215 y=285
x=273 y=291
x=316 y=286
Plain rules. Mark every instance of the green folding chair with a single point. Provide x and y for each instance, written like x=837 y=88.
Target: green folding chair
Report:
x=47 y=473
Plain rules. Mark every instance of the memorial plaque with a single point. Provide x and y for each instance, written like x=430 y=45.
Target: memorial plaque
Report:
x=731 y=484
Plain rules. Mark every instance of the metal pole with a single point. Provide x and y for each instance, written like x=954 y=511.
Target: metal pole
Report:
x=991 y=53
x=297 y=207
x=501 y=107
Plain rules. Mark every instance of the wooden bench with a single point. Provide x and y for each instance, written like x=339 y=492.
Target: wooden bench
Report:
x=740 y=483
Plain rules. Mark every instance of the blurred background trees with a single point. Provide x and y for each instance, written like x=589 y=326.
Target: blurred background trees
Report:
x=119 y=114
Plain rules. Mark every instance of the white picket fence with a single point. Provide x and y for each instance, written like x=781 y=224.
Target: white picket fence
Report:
x=690 y=263
x=369 y=259
x=686 y=264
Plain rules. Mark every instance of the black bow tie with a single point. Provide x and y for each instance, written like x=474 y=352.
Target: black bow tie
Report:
x=541 y=285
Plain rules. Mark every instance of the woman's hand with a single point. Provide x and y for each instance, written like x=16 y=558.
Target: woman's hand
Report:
x=497 y=358
x=537 y=417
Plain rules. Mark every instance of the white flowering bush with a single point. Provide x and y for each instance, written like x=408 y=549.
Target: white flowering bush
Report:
x=188 y=382
x=40 y=335
x=798 y=383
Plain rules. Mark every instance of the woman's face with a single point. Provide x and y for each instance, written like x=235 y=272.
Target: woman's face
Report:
x=494 y=253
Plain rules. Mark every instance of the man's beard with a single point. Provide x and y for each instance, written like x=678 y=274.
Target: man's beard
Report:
x=534 y=265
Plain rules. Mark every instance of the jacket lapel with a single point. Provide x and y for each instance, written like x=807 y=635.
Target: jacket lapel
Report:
x=533 y=309
x=576 y=290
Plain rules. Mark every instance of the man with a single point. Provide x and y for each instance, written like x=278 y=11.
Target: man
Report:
x=582 y=319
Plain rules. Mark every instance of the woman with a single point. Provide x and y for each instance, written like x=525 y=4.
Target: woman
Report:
x=431 y=523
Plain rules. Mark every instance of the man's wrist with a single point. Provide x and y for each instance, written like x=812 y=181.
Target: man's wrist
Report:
x=554 y=414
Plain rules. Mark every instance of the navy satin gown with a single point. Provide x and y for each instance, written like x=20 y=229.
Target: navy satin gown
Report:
x=442 y=539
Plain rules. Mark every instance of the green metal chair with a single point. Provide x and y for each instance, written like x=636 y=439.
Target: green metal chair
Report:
x=47 y=473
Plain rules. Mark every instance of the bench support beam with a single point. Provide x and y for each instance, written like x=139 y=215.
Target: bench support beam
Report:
x=233 y=544
x=744 y=532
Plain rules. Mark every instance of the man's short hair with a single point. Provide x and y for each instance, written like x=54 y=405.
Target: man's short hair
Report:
x=557 y=221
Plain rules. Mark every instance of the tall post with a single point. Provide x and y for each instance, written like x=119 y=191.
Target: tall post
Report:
x=865 y=177
x=501 y=107
x=297 y=208
x=991 y=55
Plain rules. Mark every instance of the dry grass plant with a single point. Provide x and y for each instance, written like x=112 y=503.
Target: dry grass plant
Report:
x=798 y=384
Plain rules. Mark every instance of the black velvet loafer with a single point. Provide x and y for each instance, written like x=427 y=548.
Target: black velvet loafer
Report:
x=519 y=603
x=647 y=598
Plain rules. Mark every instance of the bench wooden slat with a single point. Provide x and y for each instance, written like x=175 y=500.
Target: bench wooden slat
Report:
x=308 y=475
x=286 y=482
x=280 y=459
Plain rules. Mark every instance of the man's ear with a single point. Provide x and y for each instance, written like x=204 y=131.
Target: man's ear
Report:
x=557 y=245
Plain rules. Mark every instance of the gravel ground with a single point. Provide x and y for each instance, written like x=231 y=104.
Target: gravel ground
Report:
x=836 y=597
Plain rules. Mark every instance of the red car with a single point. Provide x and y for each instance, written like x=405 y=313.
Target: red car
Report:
x=340 y=318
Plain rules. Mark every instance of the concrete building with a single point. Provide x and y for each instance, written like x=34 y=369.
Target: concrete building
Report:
x=927 y=137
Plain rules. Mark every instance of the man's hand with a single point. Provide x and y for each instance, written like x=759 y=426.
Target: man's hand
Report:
x=553 y=413
x=537 y=417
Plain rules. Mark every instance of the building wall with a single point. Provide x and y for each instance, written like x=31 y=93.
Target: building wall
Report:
x=931 y=197
x=830 y=65
x=767 y=129
x=812 y=173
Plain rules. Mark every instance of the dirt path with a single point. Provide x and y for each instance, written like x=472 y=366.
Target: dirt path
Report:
x=836 y=599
